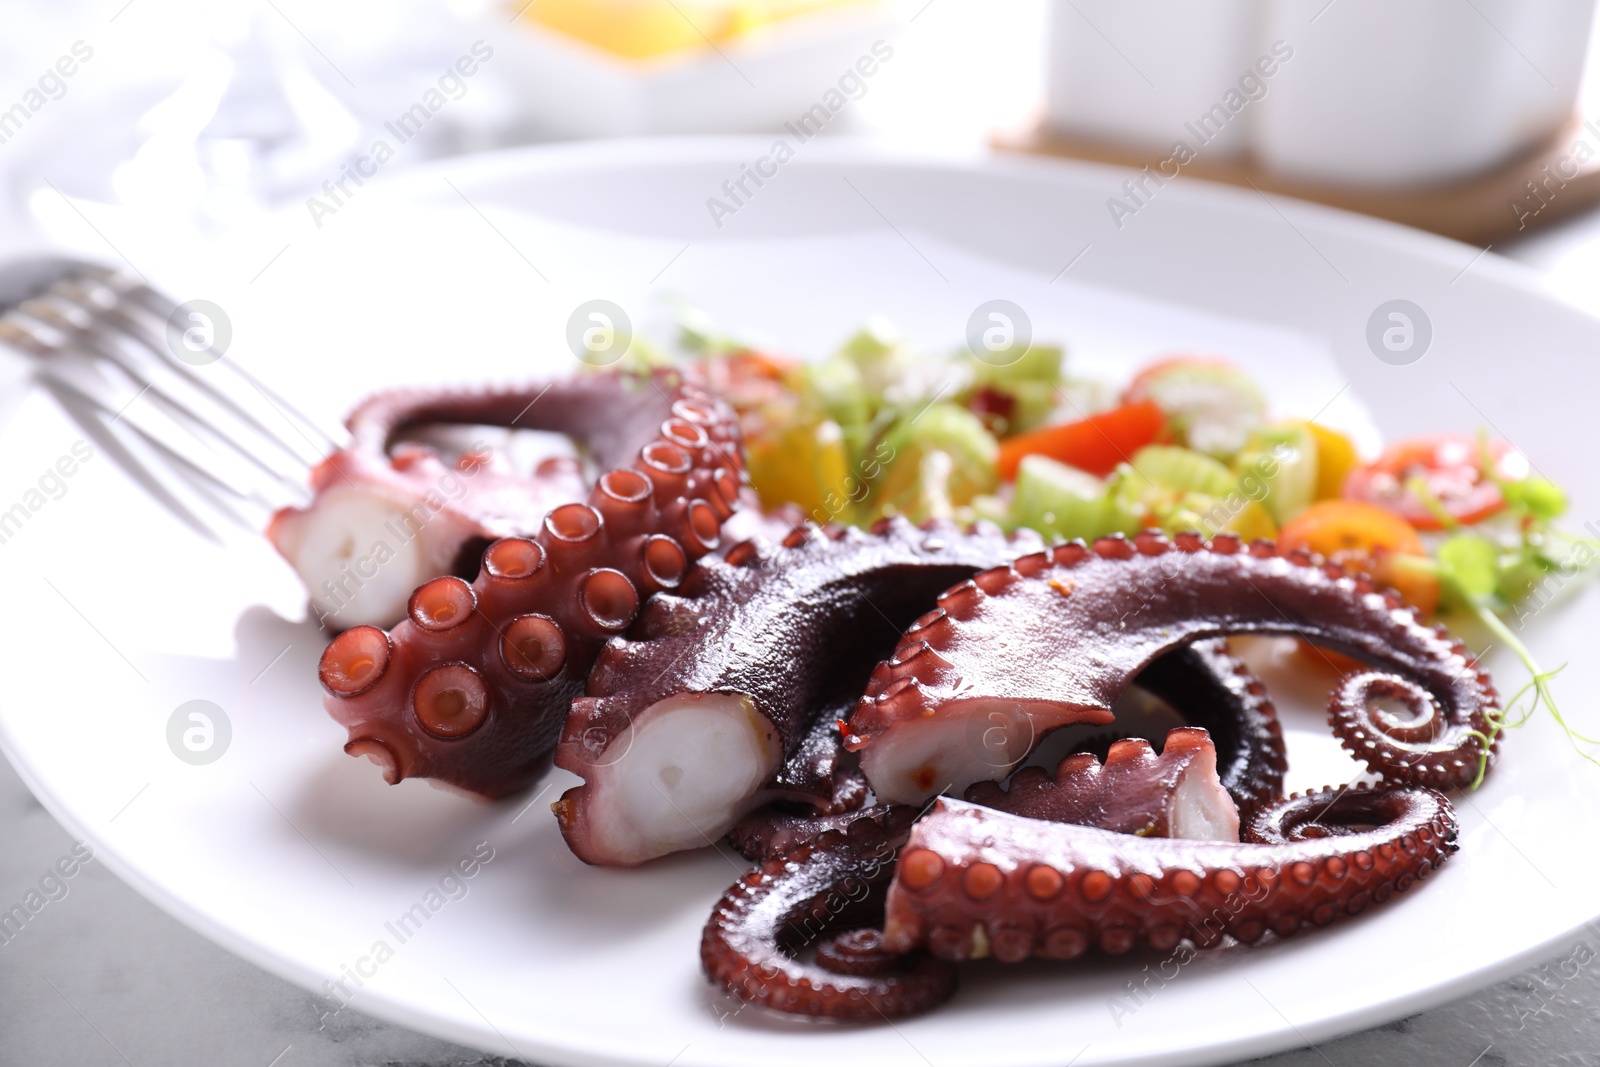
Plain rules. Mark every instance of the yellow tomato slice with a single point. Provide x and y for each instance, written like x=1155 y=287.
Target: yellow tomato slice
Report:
x=1336 y=458
x=1253 y=523
x=805 y=464
x=1363 y=536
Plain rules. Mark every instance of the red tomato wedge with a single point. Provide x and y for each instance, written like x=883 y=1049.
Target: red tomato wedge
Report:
x=1144 y=383
x=1449 y=465
x=1096 y=444
x=1212 y=406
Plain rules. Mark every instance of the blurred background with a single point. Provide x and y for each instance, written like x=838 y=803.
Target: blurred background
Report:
x=202 y=113
x=1462 y=117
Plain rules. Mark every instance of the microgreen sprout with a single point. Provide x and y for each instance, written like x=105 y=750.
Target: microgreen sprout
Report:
x=1539 y=682
x=1478 y=578
x=1418 y=487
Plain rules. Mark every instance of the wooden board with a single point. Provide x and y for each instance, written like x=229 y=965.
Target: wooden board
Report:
x=1493 y=206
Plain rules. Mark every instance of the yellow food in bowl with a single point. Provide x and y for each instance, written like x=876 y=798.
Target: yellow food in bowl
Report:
x=645 y=29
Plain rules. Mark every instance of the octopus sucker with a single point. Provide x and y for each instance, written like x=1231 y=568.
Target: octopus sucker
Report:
x=472 y=686
x=721 y=683
x=1056 y=889
x=387 y=515
x=1030 y=652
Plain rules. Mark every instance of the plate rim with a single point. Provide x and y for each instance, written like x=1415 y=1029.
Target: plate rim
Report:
x=572 y=157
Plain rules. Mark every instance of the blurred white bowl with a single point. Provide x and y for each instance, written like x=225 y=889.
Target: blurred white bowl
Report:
x=756 y=82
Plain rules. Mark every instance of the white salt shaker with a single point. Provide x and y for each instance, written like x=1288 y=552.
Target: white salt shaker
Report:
x=1386 y=93
x=1136 y=71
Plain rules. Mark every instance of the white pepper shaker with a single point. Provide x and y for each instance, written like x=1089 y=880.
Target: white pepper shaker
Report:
x=1390 y=94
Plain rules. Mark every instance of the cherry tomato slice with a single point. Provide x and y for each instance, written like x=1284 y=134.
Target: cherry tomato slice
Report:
x=1448 y=465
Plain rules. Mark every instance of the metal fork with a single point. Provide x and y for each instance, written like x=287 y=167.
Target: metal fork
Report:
x=144 y=377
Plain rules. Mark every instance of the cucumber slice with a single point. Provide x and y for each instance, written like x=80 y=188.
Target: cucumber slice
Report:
x=1289 y=453
x=1041 y=363
x=1182 y=470
x=1060 y=500
x=876 y=339
x=988 y=508
x=946 y=428
x=834 y=390
x=878 y=355
x=1180 y=489
x=834 y=387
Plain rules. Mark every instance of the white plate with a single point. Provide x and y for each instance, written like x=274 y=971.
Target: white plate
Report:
x=297 y=857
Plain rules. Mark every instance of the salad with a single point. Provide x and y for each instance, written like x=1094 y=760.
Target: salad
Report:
x=1459 y=523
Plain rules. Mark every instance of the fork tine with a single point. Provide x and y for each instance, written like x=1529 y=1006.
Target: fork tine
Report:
x=175 y=440
x=153 y=337
x=76 y=328
x=209 y=446
x=146 y=342
x=72 y=344
x=89 y=421
x=228 y=503
x=193 y=479
x=161 y=307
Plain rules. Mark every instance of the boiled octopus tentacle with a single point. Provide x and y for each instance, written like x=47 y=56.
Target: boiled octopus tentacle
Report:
x=472 y=687
x=689 y=719
x=387 y=515
x=752 y=522
x=975 y=882
x=1204 y=683
x=1177 y=793
x=797 y=896
x=835 y=882
x=819 y=774
x=771 y=833
x=1213 y=689
x=1056 y=637
x=1210 y=688
x=1135 y=791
